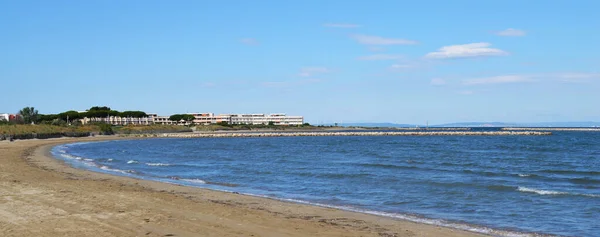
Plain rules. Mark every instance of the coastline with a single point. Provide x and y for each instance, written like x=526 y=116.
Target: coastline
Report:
x=43 y=196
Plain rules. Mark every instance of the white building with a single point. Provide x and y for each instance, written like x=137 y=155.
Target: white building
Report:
x=164 y=120
x=204 y=119
x=116 y=120
x=209 y=118
x=256 y=119
x=4 y=117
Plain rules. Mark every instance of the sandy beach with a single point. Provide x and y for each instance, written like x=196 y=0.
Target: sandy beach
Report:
x=41 y=196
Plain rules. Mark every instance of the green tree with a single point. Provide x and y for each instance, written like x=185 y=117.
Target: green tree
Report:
x=184 y=117
x=29 y=115
x=133 y=114
x=271 y=123
x=70 y=115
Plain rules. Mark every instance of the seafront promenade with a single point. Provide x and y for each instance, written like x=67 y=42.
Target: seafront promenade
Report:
x=324 y=134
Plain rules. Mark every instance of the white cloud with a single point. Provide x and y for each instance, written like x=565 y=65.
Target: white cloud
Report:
x=438 y=82
x=311 y=71
x=341 y=25
x=511 y=32
x=498 y=80
x=376 y=49
x=249 y=41
x=376 y=40
x=466 y=51
x=466 y=92
x=380 y=57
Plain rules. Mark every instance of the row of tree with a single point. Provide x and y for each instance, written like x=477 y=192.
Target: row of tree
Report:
x=184 y=117
x=29 y=115
x=94 y=112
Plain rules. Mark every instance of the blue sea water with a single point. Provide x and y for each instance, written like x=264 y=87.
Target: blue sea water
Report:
x=502 y=185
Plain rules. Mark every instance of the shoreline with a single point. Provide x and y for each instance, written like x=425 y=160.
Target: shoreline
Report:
x=303 y=219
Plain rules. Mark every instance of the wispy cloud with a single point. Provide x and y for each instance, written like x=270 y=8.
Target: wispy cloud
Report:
x=341 y=25
x=466 y=51
x=402 y=66
x=311 y=71
x=498 y=80
x=511 y=32
x=208 y=84
x=577 y=77
x=437 y=82
x=573 y=77
x=381 y=57
x=466 y=92
x=377 y=40
x=249 y=41
x=290 y=83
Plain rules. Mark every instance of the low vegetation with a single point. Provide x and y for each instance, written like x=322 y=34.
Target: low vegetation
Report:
x=151 y=129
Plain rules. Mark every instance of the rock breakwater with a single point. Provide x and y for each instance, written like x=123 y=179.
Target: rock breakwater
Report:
x=554 y=129
x=324 y=134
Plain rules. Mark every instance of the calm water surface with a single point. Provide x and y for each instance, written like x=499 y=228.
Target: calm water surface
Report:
x=513 y=184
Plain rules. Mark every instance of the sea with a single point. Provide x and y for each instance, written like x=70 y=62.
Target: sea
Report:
x=497 y=185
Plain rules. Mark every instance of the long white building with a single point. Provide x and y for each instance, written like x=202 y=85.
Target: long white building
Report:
x=203 y=119
x=276 y=119
x=116 y=120
x=252 y=119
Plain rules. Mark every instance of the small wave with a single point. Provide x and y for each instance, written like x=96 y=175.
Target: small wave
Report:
x=389 y=166
x=540 y=191
x=580 y=172
x=524 y=175
x=157 y=164
x=109 y=160
x=550 y=192
x=584 y=180
x=132 y=162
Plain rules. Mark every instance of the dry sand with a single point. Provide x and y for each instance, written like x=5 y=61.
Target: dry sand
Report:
x=41 y=196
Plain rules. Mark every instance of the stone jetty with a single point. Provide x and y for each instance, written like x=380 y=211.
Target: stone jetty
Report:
x=325 y=134
x=553 y=129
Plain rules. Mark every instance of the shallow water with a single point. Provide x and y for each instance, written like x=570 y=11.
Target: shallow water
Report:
x=516 y=184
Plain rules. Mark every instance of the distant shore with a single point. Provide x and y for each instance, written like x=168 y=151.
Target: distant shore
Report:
x=49 y=198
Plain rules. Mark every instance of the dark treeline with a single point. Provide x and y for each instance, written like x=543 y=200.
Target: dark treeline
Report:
x=94 y=112
x=179 y=117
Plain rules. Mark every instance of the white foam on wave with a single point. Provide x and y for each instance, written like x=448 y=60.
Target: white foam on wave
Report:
x=132 y=162
x=106 y=168
x=109 y=160
x=198 y=181
x=524 y=175
x=540 y=191
x=158 y=164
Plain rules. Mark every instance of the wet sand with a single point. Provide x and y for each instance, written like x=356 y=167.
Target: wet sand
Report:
x=41 y=196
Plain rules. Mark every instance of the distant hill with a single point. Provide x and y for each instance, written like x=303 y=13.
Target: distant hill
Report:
x=477 y=124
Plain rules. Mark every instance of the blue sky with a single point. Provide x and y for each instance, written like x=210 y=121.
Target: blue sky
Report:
x=331 y=61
